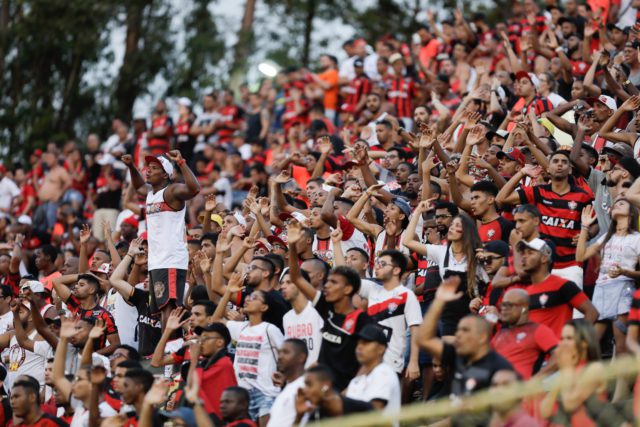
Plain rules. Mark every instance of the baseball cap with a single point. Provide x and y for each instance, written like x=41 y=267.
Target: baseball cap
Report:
x=403 y=205
x=262 y=243
x=184 y=413
x=373 y=332
x=295 y=215
x=530 y=76
x=501 y=133
x=512 y=154
x=217 y=219
x=275 y=240
x=618 y=27
x=144 y=236
x=499 y=247
x=25 y=220
x=358 y=62
x=215 y=327
x=53 y=321
x=619 y=148
x=184 y=101
x=395 y=57
x=608 y=101
x=164 y=163
x=34 y=285
x=104 y=268
x=99 y=361
x=630 y=165
x=132 y=221
x=535 y=244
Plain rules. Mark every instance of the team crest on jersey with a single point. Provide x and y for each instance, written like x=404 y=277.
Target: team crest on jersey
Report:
x=158 y=289
x=17 y=355
x=491 y=233
x=348 y=325
x=392 y=307
x=573 y=205
x=543 y=299
x=470 y=384
x=521 y=336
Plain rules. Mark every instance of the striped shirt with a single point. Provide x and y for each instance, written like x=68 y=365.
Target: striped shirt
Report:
x=561 y=217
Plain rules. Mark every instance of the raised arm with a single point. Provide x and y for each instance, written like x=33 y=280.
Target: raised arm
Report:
x=507 y=196
x=61 y=383
x=108 y=236
x=21 y=335
x=336 y=239
x=234 y=287
x=136 y=178
x=580 y=164
x=83 y=259
x=39 y=323
x=427 y=337
x=583 y=252
x=294 y=234
x=94 y=334
x=60 y=285
x=353 y=216
x=174 y=322
x=409 y=238
x=191 y=186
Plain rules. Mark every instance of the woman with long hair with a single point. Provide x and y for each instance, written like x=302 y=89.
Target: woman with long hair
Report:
x=619 y=250
x=578 y=397
x=458 y=257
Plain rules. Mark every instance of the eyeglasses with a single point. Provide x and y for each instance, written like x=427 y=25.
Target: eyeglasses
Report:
x=117 y=356
x=383 y=264
x=443 y=216
x=252 y=297
x=254 y=267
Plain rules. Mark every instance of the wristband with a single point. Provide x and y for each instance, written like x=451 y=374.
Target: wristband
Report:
x=559 y=49
x=181 y=162
x=627 y=82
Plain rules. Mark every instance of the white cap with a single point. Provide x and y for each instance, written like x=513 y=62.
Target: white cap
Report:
x=536 y=244
x=299 y=217
x=608 y=101
x=34 y=285
x=106 y=159
x=99 y=361
x=238 y=216
x=162 y=161
x=25 y=220
x=104 y=268
x=184 y=101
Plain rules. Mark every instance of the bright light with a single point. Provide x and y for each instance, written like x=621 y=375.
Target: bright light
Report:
x=269 y=69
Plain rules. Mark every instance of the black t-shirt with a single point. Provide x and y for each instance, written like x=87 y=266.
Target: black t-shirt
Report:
x=349 y=406
x=278 y=307
x=469 y=378
x=149 y=327
x=339 y=339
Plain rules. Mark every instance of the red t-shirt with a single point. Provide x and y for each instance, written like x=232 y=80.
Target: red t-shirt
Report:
x=551 y=302
x=213 y=381
x=525 y=346
x=498 y=229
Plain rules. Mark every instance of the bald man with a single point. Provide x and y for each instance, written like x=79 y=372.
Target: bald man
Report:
x=525 y=344
x=470 y=356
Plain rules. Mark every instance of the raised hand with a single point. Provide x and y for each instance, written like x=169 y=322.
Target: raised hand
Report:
x=283 y=177
x=174 y=321
x=336 y=235
x=294 y=232
x=14 y=305
x=249 y=242
x=476 y=135
x=19 y=239
x=127 y=159
x=205 y=263
x=174 y=155
x=425 y=205
x=264 y=205
x=210 y=203
x=236 y=282
x=158 y=393
x=427 y=137
x=448 y=289
x=106 y=228
x=452 y=167
x=85 y=234
x=588 y=216
x=98 y=330
x=531 y=170
x=135 y=247
x=324 y=145
x=373 y=190
x=631 y=104
x=67 y=327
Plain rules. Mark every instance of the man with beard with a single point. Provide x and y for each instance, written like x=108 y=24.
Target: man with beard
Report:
x=560 y=202
x=412 y=188
x=445 y=212
x=621 y=175
x=372 y=114
x=493 y=226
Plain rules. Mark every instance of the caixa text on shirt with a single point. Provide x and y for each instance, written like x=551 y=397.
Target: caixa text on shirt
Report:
x=552 y=221
x=335 y=339
x=154 y=323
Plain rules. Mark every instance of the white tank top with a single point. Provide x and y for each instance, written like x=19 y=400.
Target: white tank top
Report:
x=166 y=234
x=25 y=362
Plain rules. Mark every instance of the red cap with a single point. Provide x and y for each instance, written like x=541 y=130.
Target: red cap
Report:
x=132 y=221
x=144 y=236
x=275 y=240
x=37 y=152
x=513 y=154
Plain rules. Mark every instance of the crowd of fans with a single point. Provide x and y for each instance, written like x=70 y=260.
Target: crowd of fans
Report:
x=425 y=219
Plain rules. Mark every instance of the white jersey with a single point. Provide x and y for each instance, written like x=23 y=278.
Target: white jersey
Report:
x=166 y=231
x=381 y=383
x=125 y=317
x=351 y=238
x=381 y=244
x=25 y=362
x=256 y=354
x=283 y=410
x=396 y=310
x=305 y=326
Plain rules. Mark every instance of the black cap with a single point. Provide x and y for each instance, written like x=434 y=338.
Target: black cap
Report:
x=499 y=247
x=630 y=165
x=215 y=327
x=590 y=149
x=374 y=332
x=358 y=63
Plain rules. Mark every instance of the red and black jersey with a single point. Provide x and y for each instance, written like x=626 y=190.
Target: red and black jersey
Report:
x=540 y=24
x=634 y=311
x=561 y=217
x=358 y=88
x=539 y=104
x=230 y=115
x=161 y=144
x=96 y=312
x=400 y=94
x=525 y=346
x=183 y=127
x=551 y=302
x=12 y=280
x=498 y=229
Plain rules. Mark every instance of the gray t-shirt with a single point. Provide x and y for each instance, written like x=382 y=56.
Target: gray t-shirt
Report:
x=602 y=202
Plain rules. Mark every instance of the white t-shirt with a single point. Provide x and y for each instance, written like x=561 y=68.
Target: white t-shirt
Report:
x=382 y=383
x=6 y=323
x=283 y=410
x=437 y=254
x=81 y=415
x=125 y=316
x=396 y=310
x=256 y=355
x=8 y=190
x=223 y=184
x=306 y=326
x=323 y=249
x=619 y=250
x=25 y=362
